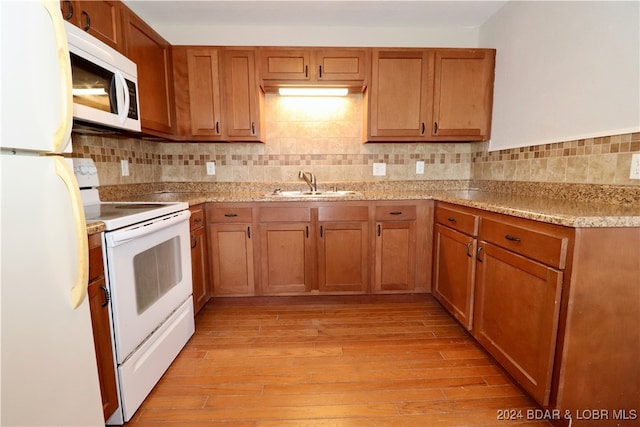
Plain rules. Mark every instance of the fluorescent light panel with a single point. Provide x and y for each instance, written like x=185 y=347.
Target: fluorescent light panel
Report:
x=313 y=91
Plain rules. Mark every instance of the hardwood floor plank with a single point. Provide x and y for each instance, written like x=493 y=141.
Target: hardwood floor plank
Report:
x=393 y=360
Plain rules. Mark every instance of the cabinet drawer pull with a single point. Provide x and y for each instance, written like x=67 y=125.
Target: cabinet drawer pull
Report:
x=107 y=296
x=379 y=230
x=307 y=228
x=253 y=128
x=69 y=14
x=306 y=71
x=395 y=213
x=197 y=220
x=422 y=129
x=469 y=249
x=435 y=127
x=321 y=231
x=87 y=19
x=478 y=253
x=194 y=241
x=512 y=238
x=249 y=232
x=320 y=71
x=217 y=127
x=231 y=215
x=452 y=220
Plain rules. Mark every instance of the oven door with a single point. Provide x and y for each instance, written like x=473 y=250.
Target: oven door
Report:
x=149 y=269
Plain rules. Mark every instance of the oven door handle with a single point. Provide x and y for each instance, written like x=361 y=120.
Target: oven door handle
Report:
x=120 y=237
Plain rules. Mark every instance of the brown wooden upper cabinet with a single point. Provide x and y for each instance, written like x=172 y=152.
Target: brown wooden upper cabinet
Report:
x=429 y=95
x=463 y=94
x=314 y=66
x=198 y=101
x=399 y=96
x=99 y=18
x=152 y=54
x=244 y=100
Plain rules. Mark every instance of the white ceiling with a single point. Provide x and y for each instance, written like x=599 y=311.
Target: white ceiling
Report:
x=395 y=13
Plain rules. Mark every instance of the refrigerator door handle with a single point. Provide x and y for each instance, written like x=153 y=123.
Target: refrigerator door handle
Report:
x=79 y=290
x=63 y=133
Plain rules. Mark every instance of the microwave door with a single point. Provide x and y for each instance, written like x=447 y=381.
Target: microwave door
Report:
x=93 y=86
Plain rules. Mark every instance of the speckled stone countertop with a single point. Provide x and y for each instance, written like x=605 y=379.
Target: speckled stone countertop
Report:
x=95 y=227
x=573 y=205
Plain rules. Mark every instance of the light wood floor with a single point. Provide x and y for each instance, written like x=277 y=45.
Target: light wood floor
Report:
x=380 y=361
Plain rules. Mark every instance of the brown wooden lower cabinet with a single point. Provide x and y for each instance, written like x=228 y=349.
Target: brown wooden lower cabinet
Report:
x=231 y=249
x=98 y=306
x=555 y=306
x=454 y=271
x=300 y=248
x=199 y=258
x=517 y=308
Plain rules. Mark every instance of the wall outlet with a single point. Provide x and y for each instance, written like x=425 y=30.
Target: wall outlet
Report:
x=211 y=168
x=124 y=166
x=419 y=167
x=634 y=173
x=379 y=169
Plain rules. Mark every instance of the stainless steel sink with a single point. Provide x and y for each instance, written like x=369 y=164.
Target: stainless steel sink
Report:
x=310 y=194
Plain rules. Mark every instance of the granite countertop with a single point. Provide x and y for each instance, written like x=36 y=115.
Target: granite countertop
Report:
x=578 y=211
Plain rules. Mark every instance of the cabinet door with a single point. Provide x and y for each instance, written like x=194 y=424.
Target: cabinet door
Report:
x=243 y=97
x=198 y=102
x=100 y=18
x=463 y=94
x=286 y=258
x=454 y=273
x=517 y=307
x=395 y=259
x=399 y=96
x=98 y=306
x=341 y=64
x=199 y=268
x=232 y=271
x=343 y=257
x=285 y=64
x=152 y=54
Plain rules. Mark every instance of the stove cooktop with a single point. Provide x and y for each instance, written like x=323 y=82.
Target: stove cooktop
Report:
x=118 y=214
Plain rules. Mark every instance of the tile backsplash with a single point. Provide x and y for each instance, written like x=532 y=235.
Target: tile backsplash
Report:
x=323 y=136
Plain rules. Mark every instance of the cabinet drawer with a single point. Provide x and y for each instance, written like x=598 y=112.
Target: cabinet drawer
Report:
x=343 y=213
x=197 y=218
x=538 y=244
x=284 y=214
x=395 y=213
x=229 y=214
x=96 y=266
x=458 y=220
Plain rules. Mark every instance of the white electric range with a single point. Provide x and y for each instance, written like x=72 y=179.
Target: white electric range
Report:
x=147 y=255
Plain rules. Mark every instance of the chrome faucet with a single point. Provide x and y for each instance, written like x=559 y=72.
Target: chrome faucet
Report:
x=310 y=179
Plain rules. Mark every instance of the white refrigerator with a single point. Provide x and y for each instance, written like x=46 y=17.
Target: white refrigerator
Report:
x=48 y=371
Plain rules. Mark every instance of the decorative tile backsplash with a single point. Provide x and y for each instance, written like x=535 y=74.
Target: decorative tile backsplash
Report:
x=605 y=160
x=323 y=136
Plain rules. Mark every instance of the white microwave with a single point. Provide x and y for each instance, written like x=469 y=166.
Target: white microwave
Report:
x=105 y=83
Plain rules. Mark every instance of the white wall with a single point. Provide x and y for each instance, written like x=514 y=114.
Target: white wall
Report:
x=564 y=71
x=265 y=35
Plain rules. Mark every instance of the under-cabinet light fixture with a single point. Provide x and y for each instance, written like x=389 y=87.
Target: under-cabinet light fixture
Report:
x=313 y=91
